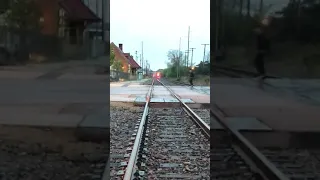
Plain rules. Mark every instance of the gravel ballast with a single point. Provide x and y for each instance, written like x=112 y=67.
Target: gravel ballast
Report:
x=49 y=154
x=176 y=148
x=123 y=120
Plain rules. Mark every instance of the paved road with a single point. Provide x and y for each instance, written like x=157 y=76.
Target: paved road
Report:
x=70 y=92
x=53 y=91
x=278 y=104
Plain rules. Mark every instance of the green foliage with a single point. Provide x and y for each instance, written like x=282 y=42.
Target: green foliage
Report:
x=23 y=14
x=300 y=22
x=203 y=68
x=4 y=6
x=117 y=65
x=172 y=65
x=297 y=21
x=174 y=56
x=112 y=56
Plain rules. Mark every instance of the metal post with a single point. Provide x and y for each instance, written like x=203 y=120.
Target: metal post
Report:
x=186 y=56
x=102 y=25
x=142 y=55
x=188 y=45
x=204 y=52
x=192 y=55
x=146 y=67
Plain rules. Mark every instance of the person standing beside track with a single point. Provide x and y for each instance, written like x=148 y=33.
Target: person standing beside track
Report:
x=263 y=46
x=191 y=77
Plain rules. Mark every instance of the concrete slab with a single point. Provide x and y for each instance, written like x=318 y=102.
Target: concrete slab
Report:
x=95 y=126
x=126 y=84
x=19 y=75
x=241 y=124
x=100 y=119
x=135 y=85
x=140 y=100
x=121 y=99
x=279 y=113
x=247 y=123
x=204 y=99
x=116 y=84
x=157 y=100
x=187 y=101
x=171 y=100
x=72 y=76
x=160 y=94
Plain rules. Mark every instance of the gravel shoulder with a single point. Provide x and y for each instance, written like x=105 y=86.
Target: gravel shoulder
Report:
x=124 y=117
x=37 y=153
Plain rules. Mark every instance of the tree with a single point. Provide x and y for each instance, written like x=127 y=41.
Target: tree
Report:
x=174 y=56
x=4 y=6
x=117 y=65
x=112 y=56
x=23 y=14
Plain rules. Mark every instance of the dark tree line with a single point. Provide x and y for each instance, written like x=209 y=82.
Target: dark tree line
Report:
x=235 y=19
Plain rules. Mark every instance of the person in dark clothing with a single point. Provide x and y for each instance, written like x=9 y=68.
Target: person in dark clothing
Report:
x=191 y=76
x=263 y=45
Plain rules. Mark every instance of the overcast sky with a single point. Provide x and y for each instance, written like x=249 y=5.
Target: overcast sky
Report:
x=160 y=24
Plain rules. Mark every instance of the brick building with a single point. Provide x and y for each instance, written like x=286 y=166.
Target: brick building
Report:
x=129 y=65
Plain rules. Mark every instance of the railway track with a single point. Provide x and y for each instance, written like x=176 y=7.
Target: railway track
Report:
x=167 y=143
x=234 y=157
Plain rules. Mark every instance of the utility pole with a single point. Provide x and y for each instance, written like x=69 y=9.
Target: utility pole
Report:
x=137 y=56
x=102 y=25
x=192 y=55
x=97 y=25
x=141 y=63
x=204 y=52
x=188 y=44
x=186 y=58
x=146 y=67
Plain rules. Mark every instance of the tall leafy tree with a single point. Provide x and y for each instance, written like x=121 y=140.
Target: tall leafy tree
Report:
x=112 y=56
x=23 y=14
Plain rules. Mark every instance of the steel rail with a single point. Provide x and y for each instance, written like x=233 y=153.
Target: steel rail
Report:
x=129 y=172
x=204 y=126
x=268 y=169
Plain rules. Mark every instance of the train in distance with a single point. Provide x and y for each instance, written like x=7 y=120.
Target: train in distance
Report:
x=156 y=75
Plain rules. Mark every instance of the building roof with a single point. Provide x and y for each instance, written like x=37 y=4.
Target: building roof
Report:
x=132 y=62
x=118 y=51
x=77 y=10
x=125 y=56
